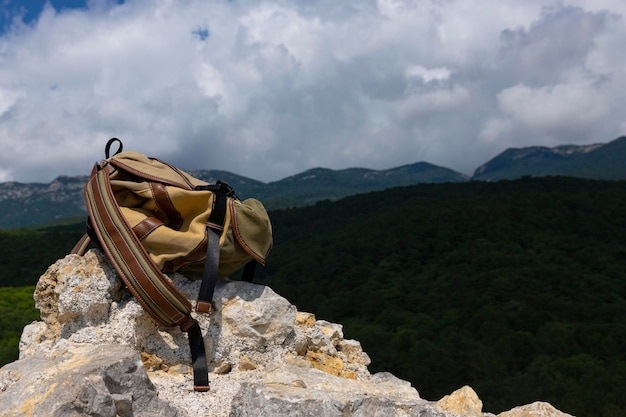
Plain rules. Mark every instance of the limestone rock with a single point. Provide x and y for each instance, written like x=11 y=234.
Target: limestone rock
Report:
x=463 y=401
x=318 y=394
x=536 y=409
x=74 y=297
x=96 y=352
x=106 y=380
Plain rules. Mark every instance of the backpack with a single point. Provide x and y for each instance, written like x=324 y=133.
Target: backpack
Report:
x=151 y=219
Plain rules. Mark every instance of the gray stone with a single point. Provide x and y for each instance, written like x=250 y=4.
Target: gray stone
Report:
x=319 y=394
x=263 y=400
x=81 y=380
x=536 y=409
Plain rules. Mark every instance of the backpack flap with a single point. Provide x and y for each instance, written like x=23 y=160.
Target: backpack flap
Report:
x=250 y=236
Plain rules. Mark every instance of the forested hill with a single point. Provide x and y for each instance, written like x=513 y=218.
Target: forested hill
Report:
x=515 y=288
x=601 y=161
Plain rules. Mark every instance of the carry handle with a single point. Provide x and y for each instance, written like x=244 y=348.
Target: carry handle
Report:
x=107 y=149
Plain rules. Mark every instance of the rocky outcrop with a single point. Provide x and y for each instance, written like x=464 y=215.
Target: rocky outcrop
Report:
x=95 y=352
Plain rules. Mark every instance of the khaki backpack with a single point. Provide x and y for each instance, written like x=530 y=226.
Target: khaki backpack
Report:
x=151 y=219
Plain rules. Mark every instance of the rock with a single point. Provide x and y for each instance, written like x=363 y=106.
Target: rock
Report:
x=105 y=380
x=246 y=364
x=463 y=401
x=96 y=352
x=318 y=394
x=256 y=400
x=536 y=409
x=74 y=298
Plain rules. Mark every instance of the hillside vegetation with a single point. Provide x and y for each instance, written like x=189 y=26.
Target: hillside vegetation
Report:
x=515 y=288
x=17 y=309
x=27 y=253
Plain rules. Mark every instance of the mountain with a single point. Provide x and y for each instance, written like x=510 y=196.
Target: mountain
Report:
x=327 y=184
x=597 y=161
x=244 y=186
x=24 y=205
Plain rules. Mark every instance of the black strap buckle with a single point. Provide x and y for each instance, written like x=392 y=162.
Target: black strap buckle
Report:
x=218 y=187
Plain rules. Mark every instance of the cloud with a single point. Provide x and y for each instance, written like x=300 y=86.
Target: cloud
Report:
x=559 y=80
x=553 y=108
x=271 y=88
x=552 y=47
x=547 y=114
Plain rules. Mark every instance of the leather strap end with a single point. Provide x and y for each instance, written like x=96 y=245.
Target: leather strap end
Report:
x=201 y=388
x=204 y=307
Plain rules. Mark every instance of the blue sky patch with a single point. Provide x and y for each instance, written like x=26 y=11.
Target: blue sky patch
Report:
x=28 y=11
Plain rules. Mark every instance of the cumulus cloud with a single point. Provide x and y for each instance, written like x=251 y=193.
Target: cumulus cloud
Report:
x=271 y=88
x=558 y=81
x=547 y=114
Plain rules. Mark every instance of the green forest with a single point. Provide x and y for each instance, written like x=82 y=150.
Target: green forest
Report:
x=516 y=288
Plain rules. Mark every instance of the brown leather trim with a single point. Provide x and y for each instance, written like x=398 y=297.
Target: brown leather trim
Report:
x=215 y=226
x=162 y=200
x=146 y=226
x=183 y=175
x=188 y=324
x=204 y=307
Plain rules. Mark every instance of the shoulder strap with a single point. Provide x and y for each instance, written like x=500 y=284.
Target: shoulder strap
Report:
x=146 y=282
x=215 y=227
x=81 y=246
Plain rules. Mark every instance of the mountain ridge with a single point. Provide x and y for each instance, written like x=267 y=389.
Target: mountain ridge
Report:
x=595 y=161
x=30 y=204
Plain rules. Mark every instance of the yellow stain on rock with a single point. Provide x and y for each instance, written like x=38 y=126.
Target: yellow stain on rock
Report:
x=329 y=364
x=305 y=319
x=27 y=408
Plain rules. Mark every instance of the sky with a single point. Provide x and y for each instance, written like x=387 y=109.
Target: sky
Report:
x=271 y=88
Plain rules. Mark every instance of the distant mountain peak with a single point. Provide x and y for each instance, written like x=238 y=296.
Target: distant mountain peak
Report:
x=596 y=161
